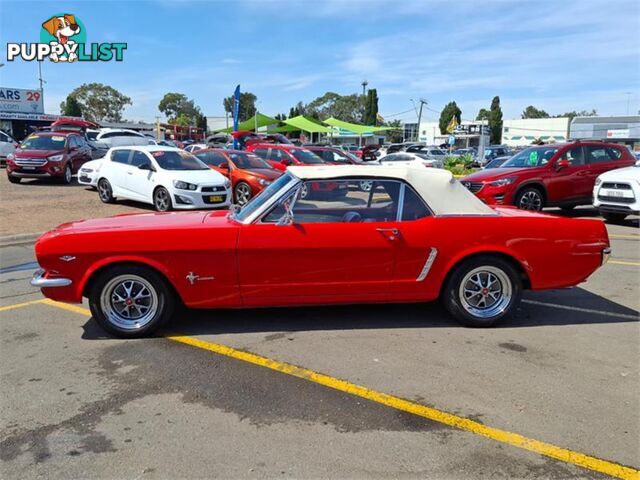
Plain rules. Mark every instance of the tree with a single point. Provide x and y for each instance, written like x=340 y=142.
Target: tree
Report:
x=177 y=106
x=99 y=102
x=533 y=112
x=448 y=112
x=70 y=107
x=371 y=108
x=247 y=107
x=582 y=113
x=483 y=114
x=495 y=121
x=396 y=134
x=349 y=108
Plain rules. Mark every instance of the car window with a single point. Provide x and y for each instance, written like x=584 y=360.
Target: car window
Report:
x=177 y=160
x=276 y=155
x=330 y=201
x=413 y=207
x=3 y=138
x=139 y=158
x=261 y=152
x=597 y=154
x=121 y=156
x=531 y=157
x=248 y=161
x=574 y=156
x=211 y=158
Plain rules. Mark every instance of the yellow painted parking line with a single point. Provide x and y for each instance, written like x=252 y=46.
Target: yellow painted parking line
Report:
x=621 y=262
x=625 y=237
x=503 y=436
x=20 y=305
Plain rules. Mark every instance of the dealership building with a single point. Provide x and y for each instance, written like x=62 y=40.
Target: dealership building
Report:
x=624 y=130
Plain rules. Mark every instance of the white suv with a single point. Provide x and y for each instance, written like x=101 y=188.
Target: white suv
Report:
x=166 y=177
x=118 y=137
x=616 y=193
x=7 y=146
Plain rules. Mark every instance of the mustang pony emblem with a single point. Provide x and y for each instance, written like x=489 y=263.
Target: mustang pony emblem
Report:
x=192 y=278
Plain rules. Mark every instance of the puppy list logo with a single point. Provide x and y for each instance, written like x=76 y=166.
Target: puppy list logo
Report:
x=63 y=38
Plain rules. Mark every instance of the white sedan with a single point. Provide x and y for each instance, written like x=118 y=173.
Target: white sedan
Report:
x=408 y=159
x=89 y=171
x=166 y=177
x=616 y=193
x=194 y=147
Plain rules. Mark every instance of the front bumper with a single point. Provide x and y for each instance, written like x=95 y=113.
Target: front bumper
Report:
x=49 y=169
x=212 y=197
x=39 y=280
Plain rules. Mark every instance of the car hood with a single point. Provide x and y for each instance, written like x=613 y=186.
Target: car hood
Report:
x=197 y=176
x=494 y=174
x=266 y=173
x=36 y=153
x=622 y=174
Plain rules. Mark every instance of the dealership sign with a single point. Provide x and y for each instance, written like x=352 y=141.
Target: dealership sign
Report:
x=618 y=133
x=18 y=100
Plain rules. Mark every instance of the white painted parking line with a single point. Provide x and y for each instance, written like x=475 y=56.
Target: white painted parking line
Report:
x=583 y=310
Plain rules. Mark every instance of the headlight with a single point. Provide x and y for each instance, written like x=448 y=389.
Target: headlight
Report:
x=264 y=182
x=86 y=170
x=502 y=182
x=598 y=181
x=55 y=158
x=184 y=185
x=227 y=183
x=11 y=156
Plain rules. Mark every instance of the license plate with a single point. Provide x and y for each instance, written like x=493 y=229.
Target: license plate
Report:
x=28 y=168
x=216 y=198
x=614 y=193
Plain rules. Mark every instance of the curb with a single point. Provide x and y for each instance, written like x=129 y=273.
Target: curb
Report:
x=22 y=239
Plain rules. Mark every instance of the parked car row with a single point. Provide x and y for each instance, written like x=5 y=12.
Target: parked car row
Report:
x=563 y=175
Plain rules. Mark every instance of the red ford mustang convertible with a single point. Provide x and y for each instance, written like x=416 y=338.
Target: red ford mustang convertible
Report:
x=415 y=236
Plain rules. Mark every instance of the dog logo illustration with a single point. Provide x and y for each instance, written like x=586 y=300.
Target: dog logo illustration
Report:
x=63 y=39
x=62 y=28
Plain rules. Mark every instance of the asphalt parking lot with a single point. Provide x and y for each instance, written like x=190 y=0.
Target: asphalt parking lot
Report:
x=374 y=395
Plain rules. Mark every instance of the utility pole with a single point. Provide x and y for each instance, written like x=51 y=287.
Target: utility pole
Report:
x=41 y=83
x=422 y=103
x=364 y=86
x=628 y=94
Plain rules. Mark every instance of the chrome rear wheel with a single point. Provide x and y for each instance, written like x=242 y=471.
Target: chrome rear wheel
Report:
x=485 y=292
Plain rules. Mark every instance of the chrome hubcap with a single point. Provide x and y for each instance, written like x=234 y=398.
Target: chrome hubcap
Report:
x=162 y=200
x=531 y=200
x=243 y=194
x=304 y=191
x=129 y=302
x=365 y=186
x=485 y=292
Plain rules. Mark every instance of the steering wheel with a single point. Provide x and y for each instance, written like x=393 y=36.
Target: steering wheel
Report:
x=352 y=217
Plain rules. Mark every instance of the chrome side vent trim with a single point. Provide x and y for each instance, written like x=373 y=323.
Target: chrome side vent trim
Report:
x=427 y=265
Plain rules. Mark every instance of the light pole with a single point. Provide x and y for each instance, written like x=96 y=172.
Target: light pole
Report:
x=364 y=86
x=628 y=94
x=422 y=103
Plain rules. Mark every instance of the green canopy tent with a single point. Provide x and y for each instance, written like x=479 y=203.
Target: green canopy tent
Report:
x=354 y=127
x=283 y=129
x=255 y=122
x=302 y=123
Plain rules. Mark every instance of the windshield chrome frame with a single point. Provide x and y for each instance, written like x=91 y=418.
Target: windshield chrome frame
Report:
x=284 y=191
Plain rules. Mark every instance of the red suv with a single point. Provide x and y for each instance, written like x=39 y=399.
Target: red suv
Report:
x=554 y=175
x=48 y=155
x=281 y=156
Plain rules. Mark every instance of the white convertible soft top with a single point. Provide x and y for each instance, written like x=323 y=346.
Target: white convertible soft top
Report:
x=443 y=193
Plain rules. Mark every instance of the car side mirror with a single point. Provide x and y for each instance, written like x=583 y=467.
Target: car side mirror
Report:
x=286 y=219
x=286 y=161
x=224 y=166
x=560 y=164
x=146 y=166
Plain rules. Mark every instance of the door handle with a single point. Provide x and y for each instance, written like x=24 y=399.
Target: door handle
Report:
x=391 y=233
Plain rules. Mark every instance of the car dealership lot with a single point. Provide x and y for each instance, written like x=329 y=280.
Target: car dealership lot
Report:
x=564 y=371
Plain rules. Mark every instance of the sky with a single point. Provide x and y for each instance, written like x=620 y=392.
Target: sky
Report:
x=558 y=55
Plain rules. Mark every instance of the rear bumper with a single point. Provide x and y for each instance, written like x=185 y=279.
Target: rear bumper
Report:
x=39 y=280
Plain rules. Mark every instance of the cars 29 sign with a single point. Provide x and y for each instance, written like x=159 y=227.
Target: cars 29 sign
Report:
x=17 y=100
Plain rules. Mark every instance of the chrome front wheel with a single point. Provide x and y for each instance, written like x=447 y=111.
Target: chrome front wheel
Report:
x=242 y=193
x=129 y=302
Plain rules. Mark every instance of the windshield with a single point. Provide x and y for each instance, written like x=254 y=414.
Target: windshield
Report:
x=44 y=142
x=263 y=197
x=248 y=161
x=436 y=152
x=531 y=157
x=92 y=135
x=306 y=157
x=170 y=160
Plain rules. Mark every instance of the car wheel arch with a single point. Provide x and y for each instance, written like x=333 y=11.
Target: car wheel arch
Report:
x=98 y=268
x=519 y=265
x=532 y=184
